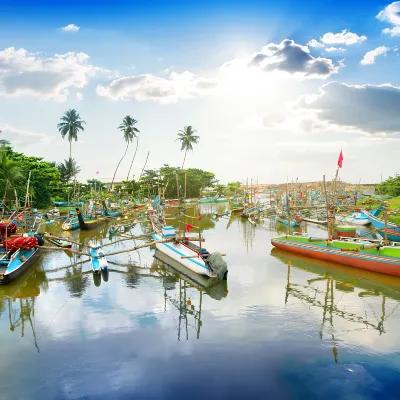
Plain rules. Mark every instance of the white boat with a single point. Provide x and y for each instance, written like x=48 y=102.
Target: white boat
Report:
x=355 y=218
x=55 y=213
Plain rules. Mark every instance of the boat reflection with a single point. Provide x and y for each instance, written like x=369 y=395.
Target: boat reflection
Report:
x=333 y=280
x=18 y=300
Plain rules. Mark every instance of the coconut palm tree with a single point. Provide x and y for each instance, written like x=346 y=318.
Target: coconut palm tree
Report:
x=129 y=132
x=68 y=170
x=69 y=126
x=128 y=124
x=187 y=138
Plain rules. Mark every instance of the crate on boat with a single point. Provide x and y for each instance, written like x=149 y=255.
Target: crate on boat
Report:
x=168 y=231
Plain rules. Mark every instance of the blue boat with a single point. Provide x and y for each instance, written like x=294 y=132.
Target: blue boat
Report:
x=13 y=265
x=379 y=223
x=99 y=261
x=293 y=223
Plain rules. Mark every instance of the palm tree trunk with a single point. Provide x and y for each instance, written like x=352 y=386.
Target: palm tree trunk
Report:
x=184 y=159
x=118 y=166
x=70 y=149
x=133 y=159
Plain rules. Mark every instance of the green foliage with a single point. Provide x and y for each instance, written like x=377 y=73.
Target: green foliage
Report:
x=166 y=178
x=187 y=138
x=390 y=187
x=68 y=170
x=220 y=189
x=232 y=188
x=45 y=177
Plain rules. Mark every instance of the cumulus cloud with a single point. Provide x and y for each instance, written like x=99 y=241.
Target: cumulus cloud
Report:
x=391 y=14
x=70 y=28
x=314 y=43
x=370 y=56
x=21 y=137
x=344 y=37
x=25 y=73
x=330 y=49
x=79 y=96
x=367 y=108
x=294 y=59
x=151 y=87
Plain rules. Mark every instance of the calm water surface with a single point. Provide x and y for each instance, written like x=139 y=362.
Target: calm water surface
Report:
x=281 y=327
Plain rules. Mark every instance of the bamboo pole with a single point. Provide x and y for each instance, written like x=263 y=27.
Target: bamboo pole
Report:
x=327 y=211
x=386 y=228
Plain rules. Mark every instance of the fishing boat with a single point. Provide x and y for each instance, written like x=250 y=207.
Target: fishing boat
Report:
x=89 y=224
x=54 y=213
x=293 y=223
x=392 y=235
x=98 y=259
x=315 y=221
x=70 y=224
x=357 y=218
x=15 y=260
x=353 y=252
x=57 y=242
x=379 y=223
x=111 y=213
x=187 y=253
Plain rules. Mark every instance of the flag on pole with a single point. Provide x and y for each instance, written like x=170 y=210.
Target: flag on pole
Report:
x=340 y=160
x=97 y=172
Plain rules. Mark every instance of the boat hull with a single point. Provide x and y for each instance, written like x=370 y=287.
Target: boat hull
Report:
x=379 y=223
x=31 y=256
x=370 y=262
x=177 y=250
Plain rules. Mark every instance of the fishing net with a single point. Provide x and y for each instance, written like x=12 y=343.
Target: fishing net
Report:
x=21 y=243
x=7 y=228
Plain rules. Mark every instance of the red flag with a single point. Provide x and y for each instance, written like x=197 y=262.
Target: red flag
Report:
x=97 y=172
x=340 y=160
x=199 y=217
x=189 y=227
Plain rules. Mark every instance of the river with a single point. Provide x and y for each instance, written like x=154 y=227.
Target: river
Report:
x=280 y=327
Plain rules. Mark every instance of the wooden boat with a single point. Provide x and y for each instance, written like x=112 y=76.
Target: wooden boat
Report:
x=11 y=266
x=57 y=242
x=392 y=235
x=70 y=224
x=185 y=252
x=98 y=259
x=379 y=223
x=356 y=218
x=111 y=213
x=251 y=220
x=293 y=223
x=315 y=221
x=89 y=224
x=353 y=252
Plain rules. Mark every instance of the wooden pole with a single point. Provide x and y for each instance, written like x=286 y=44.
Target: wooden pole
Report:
x=27 y=190
x=327 y=211
x=185 y=183
x=386 y=228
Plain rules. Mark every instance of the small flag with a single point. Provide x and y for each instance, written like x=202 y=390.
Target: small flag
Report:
x=340 y=160
x=97 y=172
x=199 y=217
x=189 y=227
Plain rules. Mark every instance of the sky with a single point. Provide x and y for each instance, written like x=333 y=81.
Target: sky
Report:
x=274 y=89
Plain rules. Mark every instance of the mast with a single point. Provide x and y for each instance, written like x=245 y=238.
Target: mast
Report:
x=27 y=191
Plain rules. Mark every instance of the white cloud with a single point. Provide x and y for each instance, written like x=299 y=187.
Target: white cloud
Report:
x=25 y=73
x=365 y=108
x=391 y=14
x=22 y=138
x=344 y=37
x=314 y=43
x=150 y=87
x=340 y=49
x=70 y=28
x=370 y=56
x=79 y=96
x=294 y=59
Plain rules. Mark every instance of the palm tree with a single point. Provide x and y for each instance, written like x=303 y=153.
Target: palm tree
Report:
x=187 y=138
x=129 y=131
x=128 y=124
x=4 y=142
x=69 y=126
x=68 y=170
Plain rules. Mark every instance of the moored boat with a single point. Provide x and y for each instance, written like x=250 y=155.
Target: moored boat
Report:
x=357 y=218
x=89 y=224
x=57 y=242
x=98 y=259
x=379 y=223
x=353 y=252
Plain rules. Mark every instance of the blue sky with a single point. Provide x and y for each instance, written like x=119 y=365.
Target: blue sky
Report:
x=275 y=89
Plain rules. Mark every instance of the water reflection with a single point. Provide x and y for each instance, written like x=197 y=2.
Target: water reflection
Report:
x=17 y=299
x=341 y=292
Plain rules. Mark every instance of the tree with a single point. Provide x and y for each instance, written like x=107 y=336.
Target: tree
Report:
x=4 y=142
x=69 y=126
x=128 y=124
x=187 y=138
x=68 y=170
x=10 y=172
x=129 y=132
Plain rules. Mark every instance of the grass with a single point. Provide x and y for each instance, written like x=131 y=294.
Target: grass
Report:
x=392 y=204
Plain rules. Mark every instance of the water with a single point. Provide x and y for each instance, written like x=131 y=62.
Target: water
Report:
x=281 y=327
